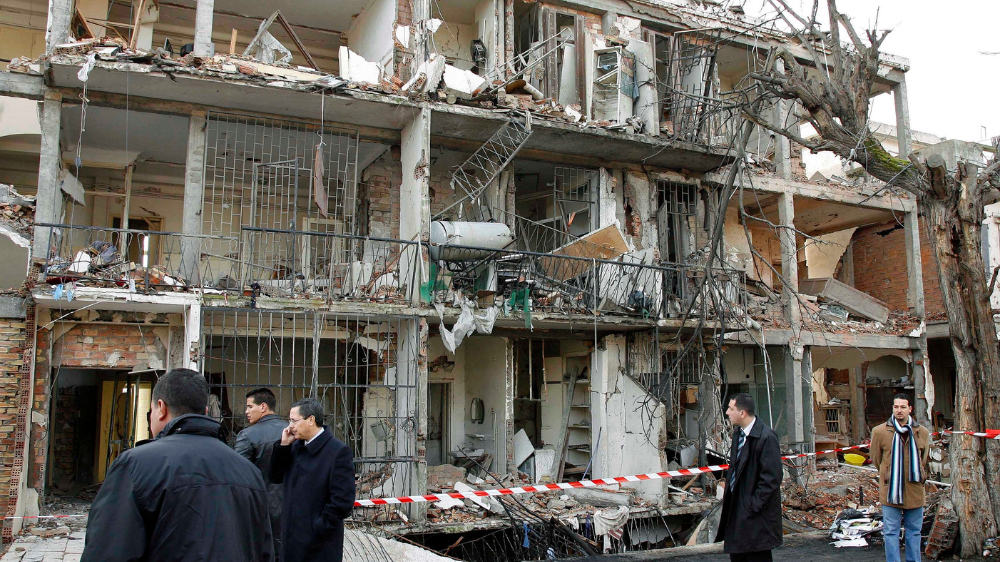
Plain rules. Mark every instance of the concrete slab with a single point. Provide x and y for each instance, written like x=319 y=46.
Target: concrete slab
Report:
x=853 y=300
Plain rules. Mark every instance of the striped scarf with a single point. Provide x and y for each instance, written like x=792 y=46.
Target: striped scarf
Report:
x=897 y=465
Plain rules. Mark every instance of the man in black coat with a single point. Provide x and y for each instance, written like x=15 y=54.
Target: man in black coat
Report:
x=182 y=496
x=256 y=443
x=318 y=472
x=751 y=506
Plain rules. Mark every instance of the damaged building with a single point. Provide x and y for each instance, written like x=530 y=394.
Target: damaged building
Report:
x=489 y=236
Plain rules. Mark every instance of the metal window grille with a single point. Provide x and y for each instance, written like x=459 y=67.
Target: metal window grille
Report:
x=259 y=173
x=363 y=370
x=574 y=191
x=678 y=209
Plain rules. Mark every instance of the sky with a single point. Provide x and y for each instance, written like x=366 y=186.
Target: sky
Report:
x=953 y=89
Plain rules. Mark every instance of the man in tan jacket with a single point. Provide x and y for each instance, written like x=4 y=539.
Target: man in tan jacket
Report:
x=899 y=451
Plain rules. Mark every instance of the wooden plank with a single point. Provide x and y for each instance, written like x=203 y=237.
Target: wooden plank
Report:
x=232 y=43
x=295 y=39
x=604 y=244
x=853 y=300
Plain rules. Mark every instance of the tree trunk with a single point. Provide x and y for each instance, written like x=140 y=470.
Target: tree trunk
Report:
x=953 y=211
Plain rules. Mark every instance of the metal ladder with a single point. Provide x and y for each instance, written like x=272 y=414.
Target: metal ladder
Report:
x=485 y=165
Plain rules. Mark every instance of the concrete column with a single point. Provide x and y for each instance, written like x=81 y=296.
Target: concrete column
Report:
x=859 y=425
x=194 y=196
x=902 y=118
x=782 y=146
x=411 y=406
x=414 y=200
x=806 y=398
x=203 y=20
x=508 y=11
x=419 y=35
x=49 y=202
x=150 y=15
x=914 y=264
x=192 y=337
x=923 y=383
x=57 y=30
x=608 y=20
x=789 y=260
x=793 y=391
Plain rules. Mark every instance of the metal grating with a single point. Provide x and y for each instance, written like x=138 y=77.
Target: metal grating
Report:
x=575 y=192
x=260 y=173
x=362 y=369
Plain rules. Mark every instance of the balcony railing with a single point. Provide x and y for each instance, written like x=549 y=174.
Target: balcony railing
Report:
x=332 y=267
x=329 y=266
x=525 y=281
x=138 y=260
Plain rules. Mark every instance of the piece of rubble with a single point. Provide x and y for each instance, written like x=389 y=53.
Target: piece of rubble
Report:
x=354 y=68
x=463 y=84
x=427 y=77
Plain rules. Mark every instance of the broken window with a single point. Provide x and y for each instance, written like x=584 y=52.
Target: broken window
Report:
x=660 y=43
x=678 y=207
x=692 y=86
x=559 y=203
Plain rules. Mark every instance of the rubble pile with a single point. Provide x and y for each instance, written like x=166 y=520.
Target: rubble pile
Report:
x=434 y=81
x=16 y=211
x=100 y=263
x=826 y=495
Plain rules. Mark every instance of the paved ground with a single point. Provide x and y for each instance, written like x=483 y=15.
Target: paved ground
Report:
x=29 y=548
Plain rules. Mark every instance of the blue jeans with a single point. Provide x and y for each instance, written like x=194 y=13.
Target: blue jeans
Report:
x=912 y=520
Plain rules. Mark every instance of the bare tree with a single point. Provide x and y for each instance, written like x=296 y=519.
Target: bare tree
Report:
x=833 y=90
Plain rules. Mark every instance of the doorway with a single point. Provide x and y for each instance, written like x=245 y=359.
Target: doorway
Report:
x=438 y=422
x=140 y=249
x=96 y=415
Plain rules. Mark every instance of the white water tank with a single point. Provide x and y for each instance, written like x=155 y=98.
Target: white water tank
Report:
x=489 y=236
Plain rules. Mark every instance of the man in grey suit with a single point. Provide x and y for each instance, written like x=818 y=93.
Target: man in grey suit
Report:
x=256 y=443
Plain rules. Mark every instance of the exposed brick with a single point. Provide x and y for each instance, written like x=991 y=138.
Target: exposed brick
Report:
x=880 y=267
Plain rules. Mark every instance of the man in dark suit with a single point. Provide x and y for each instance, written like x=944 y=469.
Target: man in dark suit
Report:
x=751 y=506
x=256 y=442
x=183 y=496
x=318 y=473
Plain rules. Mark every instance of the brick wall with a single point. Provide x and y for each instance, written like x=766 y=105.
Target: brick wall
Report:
x=109 y=346
x=401 y=56
x=38 y=438
x=13 y=343
x=880 y=267
x=383 y=179
x=65 y=436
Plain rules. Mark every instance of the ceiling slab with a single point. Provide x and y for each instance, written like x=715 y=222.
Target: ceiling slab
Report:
x=335 y=16
x=814 y=216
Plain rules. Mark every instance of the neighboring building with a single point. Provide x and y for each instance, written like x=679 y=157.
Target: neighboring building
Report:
x=471 y=228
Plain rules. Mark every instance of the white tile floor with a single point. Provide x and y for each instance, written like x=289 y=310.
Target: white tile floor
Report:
x=29 y=548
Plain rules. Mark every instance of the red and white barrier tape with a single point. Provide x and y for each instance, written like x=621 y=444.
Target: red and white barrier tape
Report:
x=44 y=516
x=989 y=434
x=537 y=488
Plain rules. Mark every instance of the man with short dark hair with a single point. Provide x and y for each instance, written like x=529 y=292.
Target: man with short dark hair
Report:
x=256 y=442
x=318 y=472
x=184 y=495
x=751 y=505
x=899 y=450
